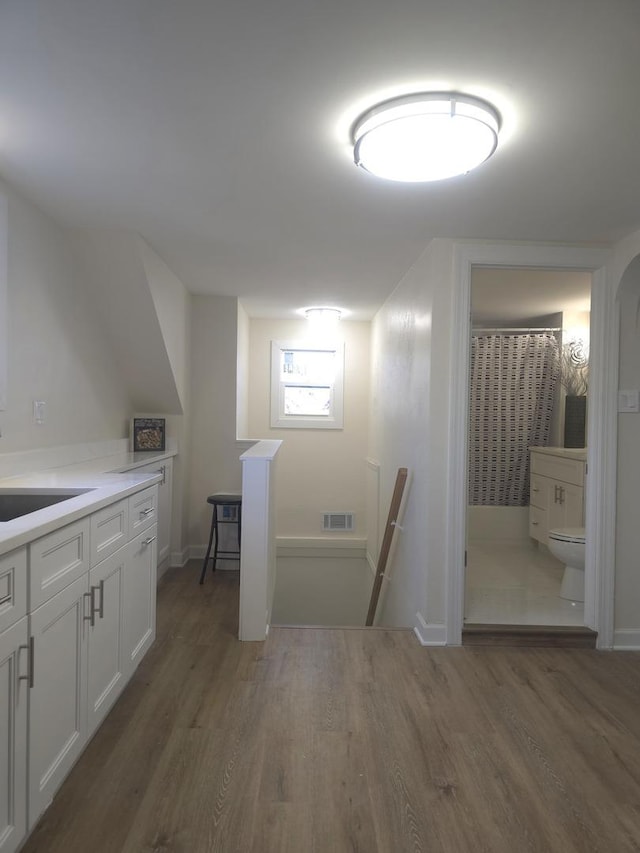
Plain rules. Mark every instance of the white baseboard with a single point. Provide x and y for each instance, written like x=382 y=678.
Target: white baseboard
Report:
x=434 y=634
x=180 y=558
x=308 y=546
x=627 y=641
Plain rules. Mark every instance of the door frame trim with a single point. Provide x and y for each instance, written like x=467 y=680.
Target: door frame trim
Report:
x=600 y=492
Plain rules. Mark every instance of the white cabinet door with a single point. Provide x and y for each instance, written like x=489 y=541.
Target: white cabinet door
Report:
x=106 y=659
x=139 y=622
x=14 y=691
x=57 y=715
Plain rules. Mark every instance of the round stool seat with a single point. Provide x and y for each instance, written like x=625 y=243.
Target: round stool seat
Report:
x=225 y=498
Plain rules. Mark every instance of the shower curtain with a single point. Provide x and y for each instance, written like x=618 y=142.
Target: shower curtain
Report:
x=513 y=378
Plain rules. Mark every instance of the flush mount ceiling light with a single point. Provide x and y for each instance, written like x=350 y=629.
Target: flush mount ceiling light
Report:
x=331 y=315
x=426 y=137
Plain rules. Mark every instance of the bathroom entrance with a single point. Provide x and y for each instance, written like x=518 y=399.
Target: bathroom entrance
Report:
x=529 y=370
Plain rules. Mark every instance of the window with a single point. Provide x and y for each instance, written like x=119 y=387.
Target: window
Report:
x=306 y=385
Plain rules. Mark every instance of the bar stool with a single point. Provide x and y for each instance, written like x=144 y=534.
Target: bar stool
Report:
x=230 y=505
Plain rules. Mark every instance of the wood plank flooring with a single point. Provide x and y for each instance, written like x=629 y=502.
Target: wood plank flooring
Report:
x=352 y=741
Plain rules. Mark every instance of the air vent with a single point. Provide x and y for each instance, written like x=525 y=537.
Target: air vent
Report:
x=337 y=521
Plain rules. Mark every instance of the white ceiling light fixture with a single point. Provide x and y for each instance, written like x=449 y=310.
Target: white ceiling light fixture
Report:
x=428 y=136
x=331 y=315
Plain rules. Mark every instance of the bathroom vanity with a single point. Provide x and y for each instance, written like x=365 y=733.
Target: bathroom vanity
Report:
x=556 y=491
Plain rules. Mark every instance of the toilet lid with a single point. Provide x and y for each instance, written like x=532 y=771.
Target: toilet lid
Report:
x=568 y=534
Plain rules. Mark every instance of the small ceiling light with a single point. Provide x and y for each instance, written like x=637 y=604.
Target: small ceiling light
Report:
x=426 y=137
x=323 y=315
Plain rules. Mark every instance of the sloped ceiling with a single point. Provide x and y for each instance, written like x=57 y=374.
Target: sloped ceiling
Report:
x=114 y=269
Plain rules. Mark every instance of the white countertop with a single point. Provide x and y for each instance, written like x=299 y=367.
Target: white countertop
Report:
x=109 y=478
x=566 y=452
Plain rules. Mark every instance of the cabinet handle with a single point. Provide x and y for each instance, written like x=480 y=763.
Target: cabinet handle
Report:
x=149 y=540
x=91 y=617
x=535 y=490
x=560 y=495
x=30 y=676
x=535 y=523
x=163 y=471
x=99 y=610
x=6 y=599
x=148 y=511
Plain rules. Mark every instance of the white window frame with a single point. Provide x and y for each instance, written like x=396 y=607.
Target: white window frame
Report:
x=335 y=418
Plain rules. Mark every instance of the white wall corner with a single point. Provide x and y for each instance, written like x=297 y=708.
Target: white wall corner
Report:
x=627 y=641
x=433 y=634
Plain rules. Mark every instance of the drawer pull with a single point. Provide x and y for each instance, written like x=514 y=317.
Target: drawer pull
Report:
x=6 y=599
x=535 y=523
x=149 y=540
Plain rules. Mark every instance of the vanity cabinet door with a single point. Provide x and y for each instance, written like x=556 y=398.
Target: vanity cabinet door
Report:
x=57 y=714
x=14 y=691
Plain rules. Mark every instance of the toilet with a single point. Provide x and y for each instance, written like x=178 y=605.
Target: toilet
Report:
x=567 y=545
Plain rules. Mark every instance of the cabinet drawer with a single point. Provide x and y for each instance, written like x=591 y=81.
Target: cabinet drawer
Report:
x=558 y=468
x=13 y=587
x=58 y=559
x=538 y=525
x=143 y=510
x=539 y=491
x=109 y=530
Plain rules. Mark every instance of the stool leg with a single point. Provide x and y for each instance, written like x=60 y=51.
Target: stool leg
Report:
x=206 y=559
x=215 y=531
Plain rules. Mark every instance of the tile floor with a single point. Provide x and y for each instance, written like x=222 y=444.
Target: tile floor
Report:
x=510 y=583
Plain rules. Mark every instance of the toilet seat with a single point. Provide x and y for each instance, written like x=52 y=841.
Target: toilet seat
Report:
x=568 y=534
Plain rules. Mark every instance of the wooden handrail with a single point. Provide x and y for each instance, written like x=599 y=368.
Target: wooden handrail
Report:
x=394 y=509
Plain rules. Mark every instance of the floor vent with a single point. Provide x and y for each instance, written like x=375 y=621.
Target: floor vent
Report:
x=337 y=521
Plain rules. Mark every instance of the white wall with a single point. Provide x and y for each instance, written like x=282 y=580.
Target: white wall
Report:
x=409 y=428
x=58 y=350
x=215 y=457
x=627 y=581
x=318 y=470
x=242 y=385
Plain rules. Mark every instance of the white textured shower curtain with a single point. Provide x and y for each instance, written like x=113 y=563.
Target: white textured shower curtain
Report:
x=513 y=378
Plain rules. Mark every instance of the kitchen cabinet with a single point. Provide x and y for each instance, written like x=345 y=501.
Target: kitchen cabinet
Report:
x=556 y=497
x=14 y=696
x=88 y=637
x=165 y=503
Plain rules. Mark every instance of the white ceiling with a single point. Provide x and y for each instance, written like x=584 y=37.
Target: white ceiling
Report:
x=219 y=131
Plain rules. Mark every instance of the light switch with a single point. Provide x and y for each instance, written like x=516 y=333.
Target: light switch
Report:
x=38 y=411
x=629 y=401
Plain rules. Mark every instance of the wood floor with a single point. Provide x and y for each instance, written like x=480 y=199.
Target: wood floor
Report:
x=323 y=741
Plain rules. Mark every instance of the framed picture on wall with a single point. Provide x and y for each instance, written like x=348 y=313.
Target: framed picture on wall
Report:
x=148 y=434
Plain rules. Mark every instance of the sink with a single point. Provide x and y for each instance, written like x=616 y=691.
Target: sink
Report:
x=17 y=502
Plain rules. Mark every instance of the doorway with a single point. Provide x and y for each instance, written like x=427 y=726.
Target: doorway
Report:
x=601 y=452
x=523 y=322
